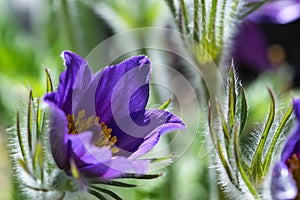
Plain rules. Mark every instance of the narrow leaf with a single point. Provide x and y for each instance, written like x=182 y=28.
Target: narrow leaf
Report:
x=196 y=21
x=244 y=108
x=215 y=140
x=257 y=165
x=185 y=16
x=113 y=183
x=49 y=84
x=172 y=7
x=166 y=104
x=239 y=163
x=29 y=120
x=231 y=98
x=96 y=194
x=224 y=123
x=110 y=193
x=20 y=139
x=137 y=176
x=275 y=139
x=254 y=7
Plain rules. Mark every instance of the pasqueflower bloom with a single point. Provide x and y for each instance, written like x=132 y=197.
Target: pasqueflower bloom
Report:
x=285 y=182
x=99 y=124
x=272 y=23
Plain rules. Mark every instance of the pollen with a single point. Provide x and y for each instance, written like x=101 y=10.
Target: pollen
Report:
x=294 y=165
x=84 y=123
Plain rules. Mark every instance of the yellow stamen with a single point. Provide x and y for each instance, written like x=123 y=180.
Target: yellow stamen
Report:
x=84 y=123
x=294 y=165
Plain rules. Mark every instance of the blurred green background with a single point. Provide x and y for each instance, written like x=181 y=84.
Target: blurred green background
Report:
x=33 y=34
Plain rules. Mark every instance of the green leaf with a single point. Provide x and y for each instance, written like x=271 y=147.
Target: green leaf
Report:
x=275 y=139
x=113 y=183
x=110 y=193
x=224 y=123
x=257 y=165
x=96 y=194
x=166 y=104
x=185 y=16
x=239 y=163
x=29 y=120
x=216 y=140
x=244 y=108
x=196 y=21
x=253 y=7
x=20 y=137
x=172 y=7
x=231 y=98
x=137 y=176
x=49 y=85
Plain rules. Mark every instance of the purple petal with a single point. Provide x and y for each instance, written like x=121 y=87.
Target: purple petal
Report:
x=63 y=96
x=283 y=186
x=131 y=137
x=121 y=165
x=84 y=152
x=123 y=89
x=292 y=145
x=58 y=131
x=173 y=123
x=250 y=47
x=95 y=170
x=277 y=12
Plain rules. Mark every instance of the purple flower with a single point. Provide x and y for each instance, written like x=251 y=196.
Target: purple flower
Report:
x=99 y=124
x=262 y=28
x=285 y=182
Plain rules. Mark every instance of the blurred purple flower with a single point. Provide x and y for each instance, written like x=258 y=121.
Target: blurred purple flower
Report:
x=99 y=124
x=285 y=182
x=262 y=28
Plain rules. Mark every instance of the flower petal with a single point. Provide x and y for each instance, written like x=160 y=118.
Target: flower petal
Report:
x=172 y=123
x=63 y=96
x=277 y=12
x=283 y=186
x=123 y=89
x=121 y=165
x=84 y=152
x=156 y=122
x=58 y=131
x=250 y=47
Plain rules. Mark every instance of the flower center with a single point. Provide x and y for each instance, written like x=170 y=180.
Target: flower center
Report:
x=84 y=123
x=294 y=165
